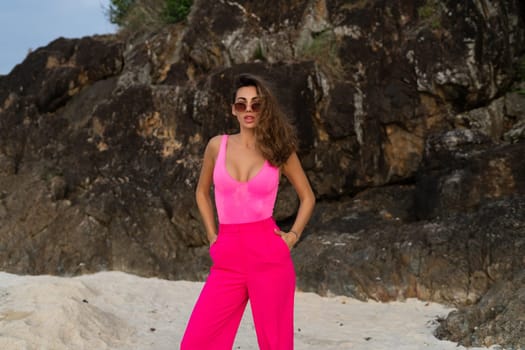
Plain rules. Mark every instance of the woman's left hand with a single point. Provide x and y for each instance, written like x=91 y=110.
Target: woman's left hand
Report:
x=289 y=238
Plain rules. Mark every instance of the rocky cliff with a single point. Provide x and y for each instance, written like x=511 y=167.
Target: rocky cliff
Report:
x=411 y=118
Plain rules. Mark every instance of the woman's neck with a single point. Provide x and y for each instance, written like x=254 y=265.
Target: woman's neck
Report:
x=246 y=138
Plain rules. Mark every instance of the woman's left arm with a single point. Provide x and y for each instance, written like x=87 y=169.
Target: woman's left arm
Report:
x=293 y=170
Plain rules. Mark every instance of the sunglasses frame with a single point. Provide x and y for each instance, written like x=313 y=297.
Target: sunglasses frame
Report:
x=255 y=106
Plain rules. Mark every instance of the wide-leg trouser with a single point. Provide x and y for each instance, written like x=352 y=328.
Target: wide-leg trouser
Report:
x=250 y=262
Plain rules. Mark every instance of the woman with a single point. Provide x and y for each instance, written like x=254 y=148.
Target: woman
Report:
x=250 y=254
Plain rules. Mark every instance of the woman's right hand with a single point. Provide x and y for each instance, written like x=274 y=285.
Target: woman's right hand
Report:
x=212 y=239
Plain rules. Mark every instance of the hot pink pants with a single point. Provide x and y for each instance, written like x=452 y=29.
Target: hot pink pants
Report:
x=250 y=262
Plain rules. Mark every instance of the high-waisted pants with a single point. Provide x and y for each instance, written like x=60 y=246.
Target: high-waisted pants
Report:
x=250 y=262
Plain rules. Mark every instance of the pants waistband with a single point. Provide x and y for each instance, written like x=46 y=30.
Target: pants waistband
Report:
x=268 y=222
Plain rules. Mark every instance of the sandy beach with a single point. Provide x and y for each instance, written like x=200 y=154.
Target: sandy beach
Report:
x=115 y=310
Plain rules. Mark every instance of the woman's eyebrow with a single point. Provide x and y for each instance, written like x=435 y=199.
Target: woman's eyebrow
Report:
x=244 y=98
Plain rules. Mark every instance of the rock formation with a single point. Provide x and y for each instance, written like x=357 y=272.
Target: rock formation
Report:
x=411 y=118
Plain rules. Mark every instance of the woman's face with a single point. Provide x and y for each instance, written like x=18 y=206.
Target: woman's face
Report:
x=246 y=106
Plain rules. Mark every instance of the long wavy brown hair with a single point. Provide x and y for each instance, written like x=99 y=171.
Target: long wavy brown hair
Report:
x=274 y=134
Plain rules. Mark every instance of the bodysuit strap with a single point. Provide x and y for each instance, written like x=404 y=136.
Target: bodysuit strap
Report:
x=221 y=157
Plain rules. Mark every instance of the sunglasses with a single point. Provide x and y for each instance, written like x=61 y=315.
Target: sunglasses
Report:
x=241 y=106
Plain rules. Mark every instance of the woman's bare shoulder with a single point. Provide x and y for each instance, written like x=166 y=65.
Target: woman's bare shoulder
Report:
x=215 y=141
x=214 y=145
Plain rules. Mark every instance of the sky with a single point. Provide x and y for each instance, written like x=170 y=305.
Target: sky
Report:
x=29 y=24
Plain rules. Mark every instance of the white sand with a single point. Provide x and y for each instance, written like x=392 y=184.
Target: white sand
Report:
x=114 y=310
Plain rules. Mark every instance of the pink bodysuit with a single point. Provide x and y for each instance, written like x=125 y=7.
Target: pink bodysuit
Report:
x=251 y=261
x=240 y=202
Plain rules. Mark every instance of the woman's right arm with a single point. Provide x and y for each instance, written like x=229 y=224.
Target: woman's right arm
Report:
x=202 y=193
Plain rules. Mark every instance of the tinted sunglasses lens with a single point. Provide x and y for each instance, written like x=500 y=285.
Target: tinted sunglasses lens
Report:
x=239 y=107
x=256 y=107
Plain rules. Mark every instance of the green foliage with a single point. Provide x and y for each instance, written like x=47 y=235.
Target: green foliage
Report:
x=426 y=11
x=321 y=44
x=324 y=49
x=430 y=12
x=177 y=10
x=117 y=11
x=144 y=15
x=258 y=55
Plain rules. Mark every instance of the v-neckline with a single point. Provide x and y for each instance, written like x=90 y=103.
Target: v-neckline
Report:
x=226 y=166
